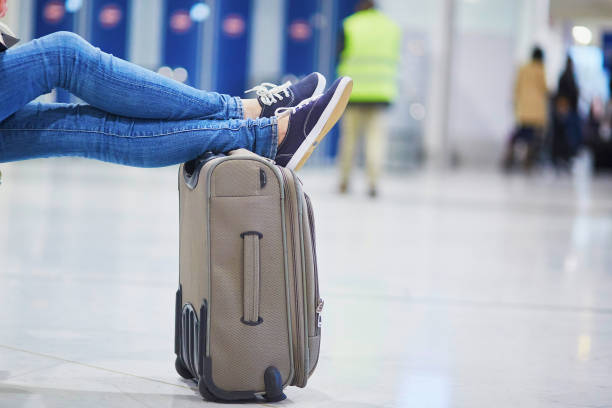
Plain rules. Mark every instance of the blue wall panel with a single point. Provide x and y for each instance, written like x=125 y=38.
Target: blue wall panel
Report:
x=51 y=16
x=108 y=26
x=301 y=37
x=232 y=45
x=182 y=39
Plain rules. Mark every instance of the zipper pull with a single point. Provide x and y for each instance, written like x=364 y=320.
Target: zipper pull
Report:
x=318 y=313
x=320 y=306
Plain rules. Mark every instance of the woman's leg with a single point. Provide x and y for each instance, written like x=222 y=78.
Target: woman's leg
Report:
x=67 y=61
x=47 y=130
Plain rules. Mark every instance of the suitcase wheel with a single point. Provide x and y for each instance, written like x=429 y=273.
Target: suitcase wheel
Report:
x=274 y=385
x=205 y=393
x=181 y=369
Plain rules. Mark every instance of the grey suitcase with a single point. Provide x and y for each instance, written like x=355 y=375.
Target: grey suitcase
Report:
x=248 y=305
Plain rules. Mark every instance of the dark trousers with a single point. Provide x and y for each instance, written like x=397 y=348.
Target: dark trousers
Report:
x=566 y=137
x=531 y=136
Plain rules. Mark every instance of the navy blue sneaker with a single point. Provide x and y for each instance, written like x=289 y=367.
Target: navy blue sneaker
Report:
x=271 y=96
x=310 y=121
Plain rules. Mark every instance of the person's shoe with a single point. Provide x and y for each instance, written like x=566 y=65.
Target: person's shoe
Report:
x=343 y=188
x=271 y=96
x=309 y=123
x=373 y=192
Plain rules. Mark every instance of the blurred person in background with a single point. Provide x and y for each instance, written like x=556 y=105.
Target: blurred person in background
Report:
x=566 y=132
x=598 y=133
x=530 y=107
x=370 y=51
x=594 y=121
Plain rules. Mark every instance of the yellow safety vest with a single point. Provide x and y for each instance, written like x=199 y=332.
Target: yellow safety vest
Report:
x=370 y=56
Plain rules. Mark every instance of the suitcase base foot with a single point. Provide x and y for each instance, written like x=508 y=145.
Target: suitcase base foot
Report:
x=181 y=369
x=205 y=393
x=274 y=385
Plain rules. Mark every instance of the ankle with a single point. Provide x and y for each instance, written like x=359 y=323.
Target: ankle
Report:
x=282 y=126
x=251 y=108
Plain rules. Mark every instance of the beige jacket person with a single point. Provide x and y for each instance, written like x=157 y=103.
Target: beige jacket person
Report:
x=531 y=95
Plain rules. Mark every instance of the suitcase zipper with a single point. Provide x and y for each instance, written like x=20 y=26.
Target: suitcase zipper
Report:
x=318 y=301
x=299 y=370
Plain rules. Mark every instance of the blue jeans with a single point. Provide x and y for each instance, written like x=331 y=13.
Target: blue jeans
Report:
x=133 y=116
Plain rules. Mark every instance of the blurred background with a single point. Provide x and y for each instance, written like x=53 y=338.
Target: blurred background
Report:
x=457 y=63
x=474 y=270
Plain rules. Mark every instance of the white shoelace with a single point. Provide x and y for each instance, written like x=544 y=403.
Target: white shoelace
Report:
x=271 y=93
x=285 y=111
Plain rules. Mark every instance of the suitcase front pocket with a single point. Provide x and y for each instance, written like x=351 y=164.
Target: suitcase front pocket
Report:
x=249 y=319
x=251 y=278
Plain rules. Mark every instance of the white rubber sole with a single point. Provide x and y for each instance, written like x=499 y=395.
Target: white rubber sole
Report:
x=332 y=113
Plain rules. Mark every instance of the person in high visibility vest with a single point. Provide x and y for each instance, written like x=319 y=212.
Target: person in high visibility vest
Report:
x=370 y=45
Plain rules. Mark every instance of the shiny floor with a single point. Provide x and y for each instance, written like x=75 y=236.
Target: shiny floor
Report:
x=464 y=289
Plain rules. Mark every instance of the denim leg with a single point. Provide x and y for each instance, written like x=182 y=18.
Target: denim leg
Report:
x=116 y=86
x=50 y=130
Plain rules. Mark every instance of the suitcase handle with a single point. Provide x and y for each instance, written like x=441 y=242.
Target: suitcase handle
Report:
x=251 y=275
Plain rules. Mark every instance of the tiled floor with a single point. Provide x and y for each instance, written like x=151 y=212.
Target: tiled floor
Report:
x=464 y=290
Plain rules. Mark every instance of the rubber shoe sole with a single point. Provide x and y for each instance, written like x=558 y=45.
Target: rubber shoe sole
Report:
x=328 y=119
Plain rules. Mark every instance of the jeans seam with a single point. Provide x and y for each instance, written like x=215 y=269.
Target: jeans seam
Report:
x=136 y=137
x=273 y=138
x=238 y=111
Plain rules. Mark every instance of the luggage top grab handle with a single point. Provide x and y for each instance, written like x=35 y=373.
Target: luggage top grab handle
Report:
x=247 y=153
x=192 y=168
